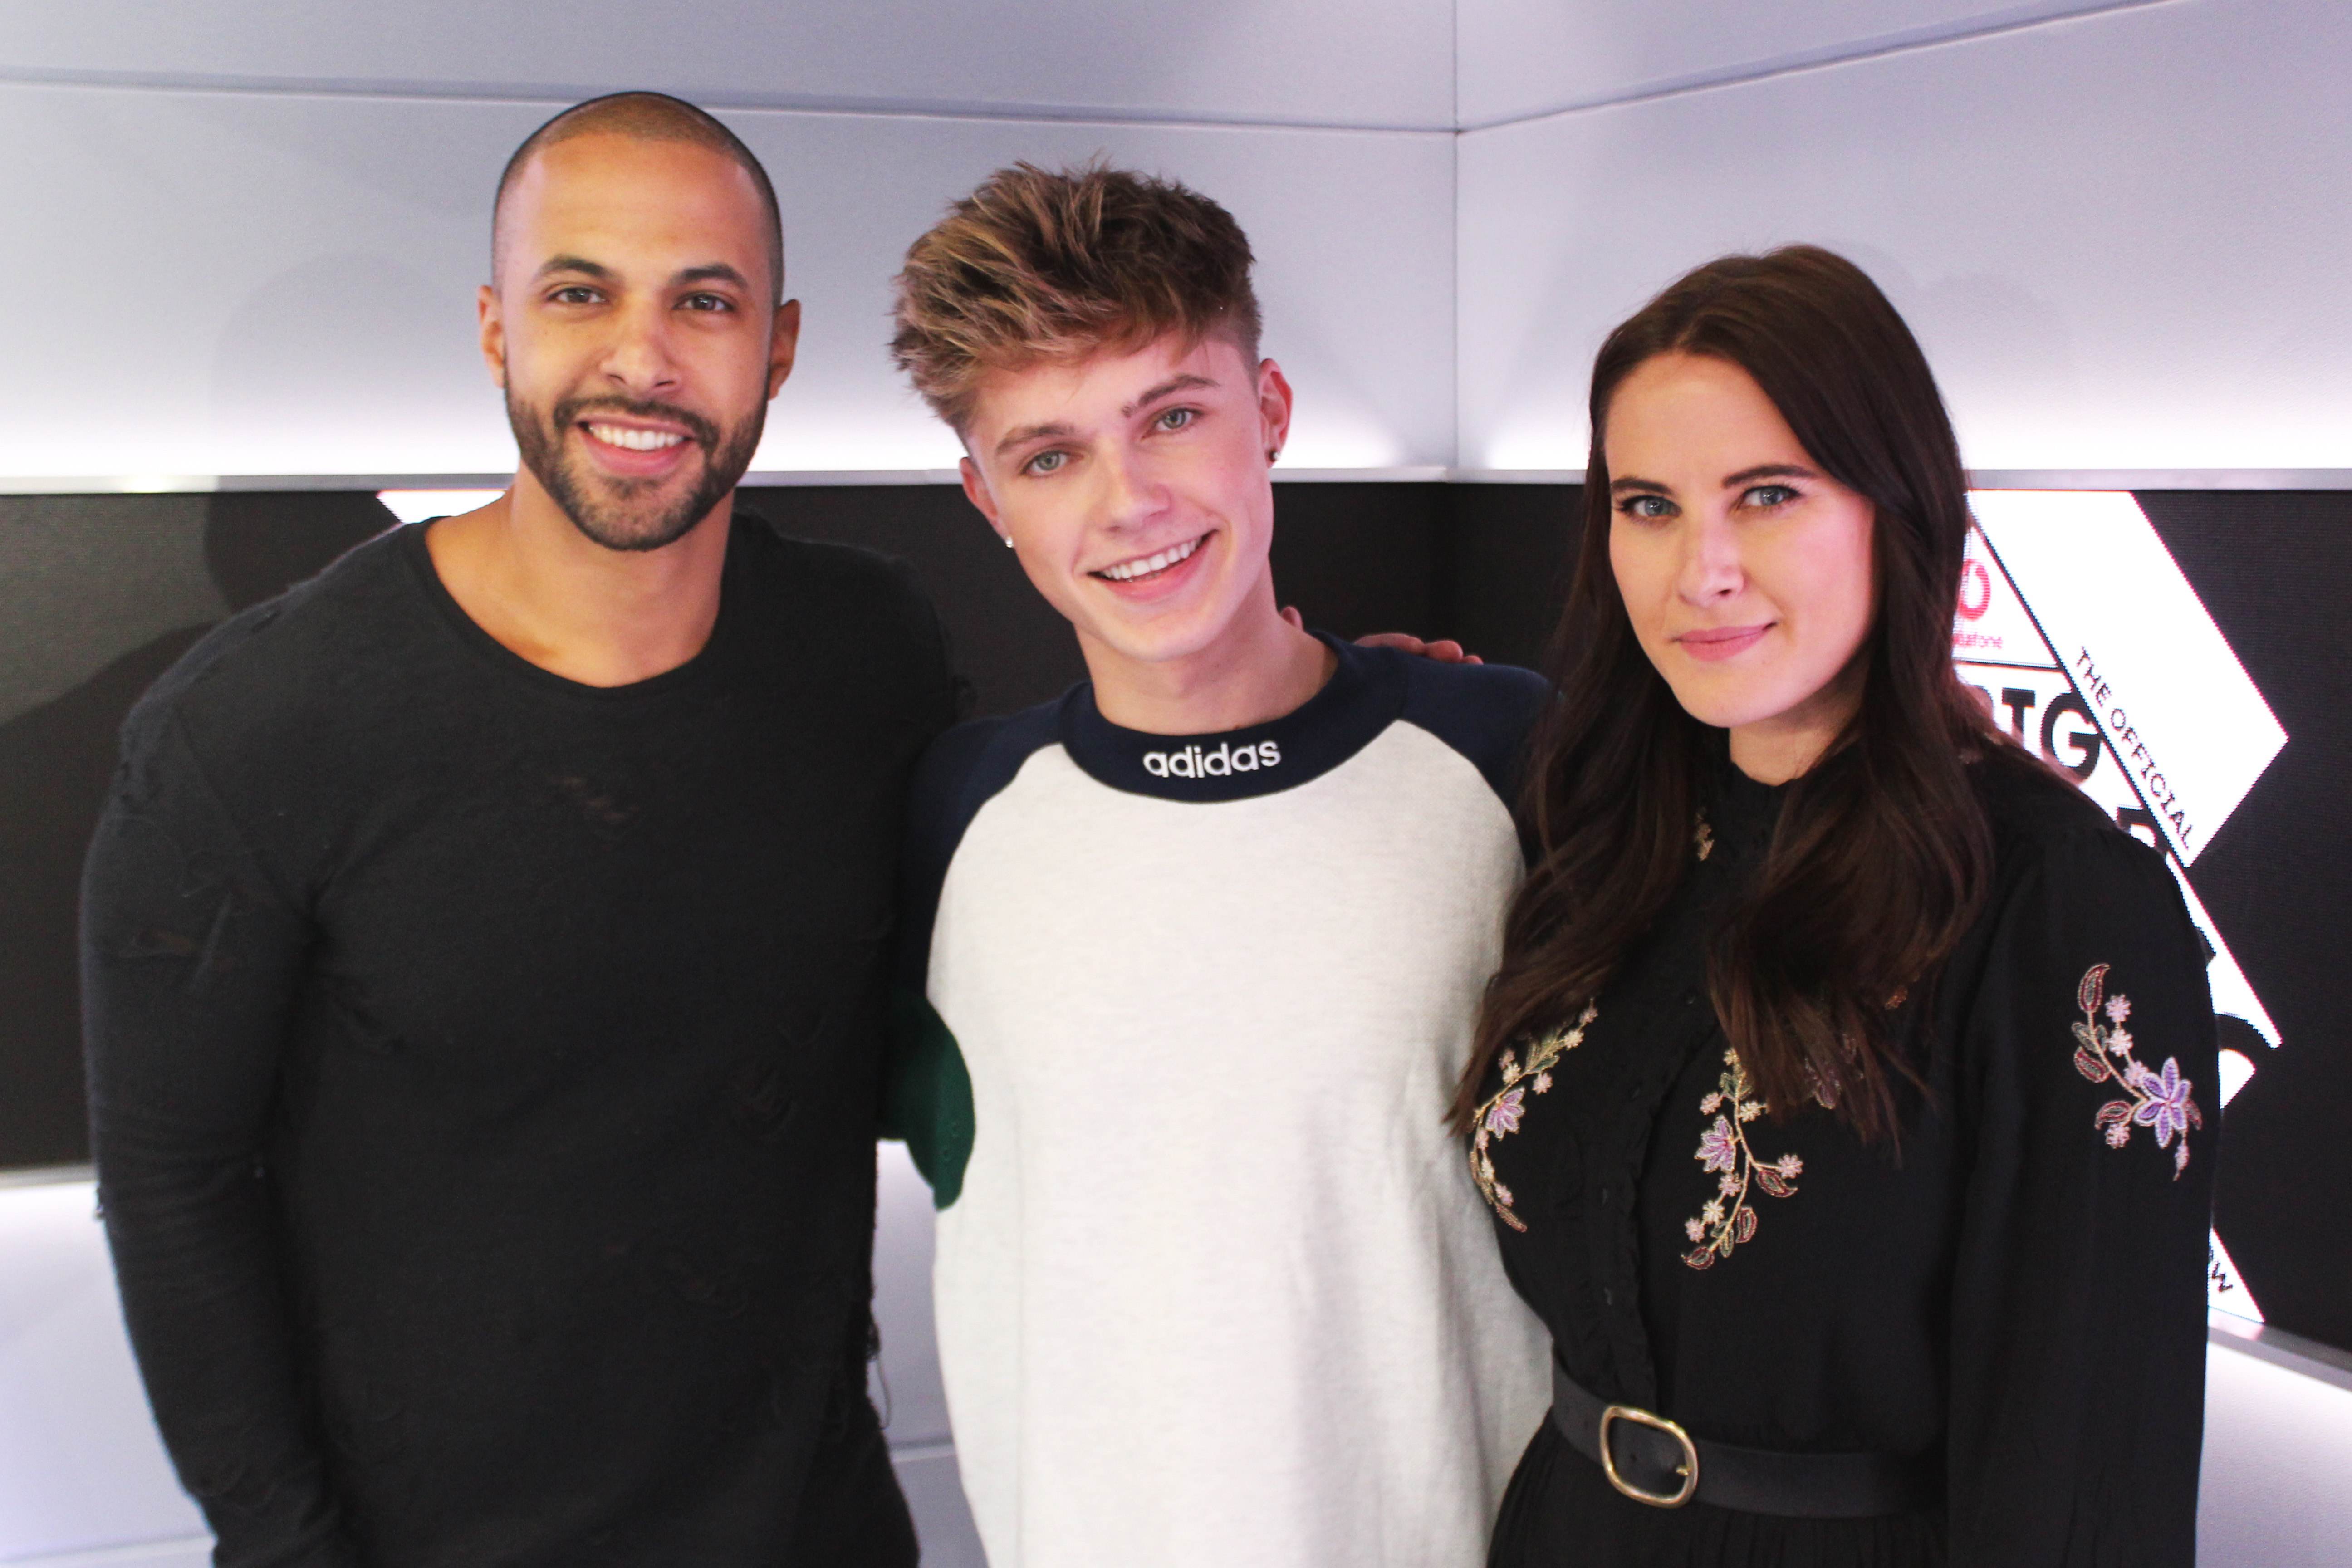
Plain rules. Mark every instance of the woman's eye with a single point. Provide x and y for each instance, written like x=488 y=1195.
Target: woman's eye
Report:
x=1177 y=418
x=1769 y=496
x=1046 y=463
x=1647 y=508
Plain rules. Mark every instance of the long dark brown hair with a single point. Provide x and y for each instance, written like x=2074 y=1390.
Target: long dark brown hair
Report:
x=1883 y=853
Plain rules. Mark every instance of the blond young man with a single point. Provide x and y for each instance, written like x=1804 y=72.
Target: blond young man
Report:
x=1193 y=953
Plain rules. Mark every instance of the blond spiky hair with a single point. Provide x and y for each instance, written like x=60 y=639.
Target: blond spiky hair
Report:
x=1036 y=266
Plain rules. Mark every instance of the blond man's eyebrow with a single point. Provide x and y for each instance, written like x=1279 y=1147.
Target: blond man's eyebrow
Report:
x=1173 y=384
x=1023 y=435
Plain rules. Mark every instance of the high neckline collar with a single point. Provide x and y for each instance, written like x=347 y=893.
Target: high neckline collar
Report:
x=1745 y=811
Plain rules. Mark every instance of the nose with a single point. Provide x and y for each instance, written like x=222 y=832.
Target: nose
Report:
x=1710 y=570
x=1131 y=496
x=639 y=361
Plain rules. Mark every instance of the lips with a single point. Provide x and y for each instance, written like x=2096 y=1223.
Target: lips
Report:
x=632 y=440
x=1159 y=566
x=635 y=439
x=1712 y=644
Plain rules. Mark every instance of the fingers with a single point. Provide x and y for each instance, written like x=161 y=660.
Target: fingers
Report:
x=1445 y=650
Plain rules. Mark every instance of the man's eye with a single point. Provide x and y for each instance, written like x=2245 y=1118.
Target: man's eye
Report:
x=1647 y=508
x=574 y=294
x=707 y=302
x=1046 y=463
x=1177 y=418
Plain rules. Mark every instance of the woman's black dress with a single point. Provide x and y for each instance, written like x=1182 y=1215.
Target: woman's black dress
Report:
x=2017 y=1292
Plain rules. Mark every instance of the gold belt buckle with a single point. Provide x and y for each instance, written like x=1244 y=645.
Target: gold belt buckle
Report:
x=1687 y=1469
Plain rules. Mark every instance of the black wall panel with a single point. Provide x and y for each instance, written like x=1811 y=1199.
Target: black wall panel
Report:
x=83 y=649
x=2271 y=567
x=99 y=594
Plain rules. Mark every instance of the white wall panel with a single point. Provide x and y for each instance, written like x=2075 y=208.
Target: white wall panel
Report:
x=80 y=1466
x=216 y=283
x=83 y=1479
x=1370 y=62
x=2120 y=237
x=83 y=1475
x=2278 y=1447
x=1520 y=57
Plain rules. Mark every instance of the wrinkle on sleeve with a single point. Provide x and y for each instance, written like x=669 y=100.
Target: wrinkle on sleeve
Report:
x=2078 y=1298
x=192 y=956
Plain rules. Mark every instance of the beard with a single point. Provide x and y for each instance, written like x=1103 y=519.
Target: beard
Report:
x=631 y=514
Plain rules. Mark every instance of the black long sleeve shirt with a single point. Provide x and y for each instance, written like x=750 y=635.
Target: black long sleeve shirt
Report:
x=2016 y=1291
x=484 y=1067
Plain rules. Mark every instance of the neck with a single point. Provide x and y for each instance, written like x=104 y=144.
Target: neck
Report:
x=1260 y=669
x=550 y=594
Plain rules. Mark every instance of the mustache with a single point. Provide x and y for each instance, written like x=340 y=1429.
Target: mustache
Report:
x=572 y=410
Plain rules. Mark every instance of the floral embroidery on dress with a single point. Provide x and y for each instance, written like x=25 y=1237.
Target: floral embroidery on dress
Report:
x=2159 y=1100
x=1724 y=1148
x=1499 y=1117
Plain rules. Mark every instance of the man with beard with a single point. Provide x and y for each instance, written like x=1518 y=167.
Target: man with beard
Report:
x=484 y=946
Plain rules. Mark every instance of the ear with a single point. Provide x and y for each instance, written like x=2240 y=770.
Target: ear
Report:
x=783 y=342
x=494 y=334
x=1273 y=407
x=975 y=489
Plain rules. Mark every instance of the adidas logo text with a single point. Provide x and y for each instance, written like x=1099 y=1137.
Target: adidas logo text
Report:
x=1193 y=762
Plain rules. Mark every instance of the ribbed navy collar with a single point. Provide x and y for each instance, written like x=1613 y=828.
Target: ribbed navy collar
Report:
x=1363 y=697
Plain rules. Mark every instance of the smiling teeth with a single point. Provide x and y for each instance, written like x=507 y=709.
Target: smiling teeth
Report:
x=1127 y=571
x=634 y=439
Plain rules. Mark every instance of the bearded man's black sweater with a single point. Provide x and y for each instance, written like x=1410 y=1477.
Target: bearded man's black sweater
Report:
x=483 y=1071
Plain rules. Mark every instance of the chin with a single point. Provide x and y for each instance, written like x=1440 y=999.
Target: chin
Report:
x=1724 y=709
x=1161 y=639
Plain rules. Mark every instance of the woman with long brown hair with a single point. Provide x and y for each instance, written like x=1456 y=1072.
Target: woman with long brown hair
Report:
x=1841 y=1100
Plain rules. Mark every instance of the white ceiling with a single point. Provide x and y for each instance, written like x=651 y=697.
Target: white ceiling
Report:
x=1523 y=57
x=1390 y=64
x=1367 y=62
x=244 y=234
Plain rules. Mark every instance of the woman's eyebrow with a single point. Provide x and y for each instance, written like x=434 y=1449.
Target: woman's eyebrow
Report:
x=1618 y=486
x=1769 y=471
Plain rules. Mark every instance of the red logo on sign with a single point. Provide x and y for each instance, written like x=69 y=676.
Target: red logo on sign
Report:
x=1974 y=575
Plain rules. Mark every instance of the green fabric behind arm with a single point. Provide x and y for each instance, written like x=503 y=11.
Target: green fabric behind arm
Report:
x=929 y=1100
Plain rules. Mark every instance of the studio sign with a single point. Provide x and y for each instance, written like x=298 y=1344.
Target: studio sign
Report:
x=2076 y=627
x=1191 y=762
x=2070 y=602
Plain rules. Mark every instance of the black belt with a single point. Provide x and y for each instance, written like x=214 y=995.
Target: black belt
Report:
x=1651 y=1460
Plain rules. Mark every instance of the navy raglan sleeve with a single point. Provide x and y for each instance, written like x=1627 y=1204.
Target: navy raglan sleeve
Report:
x=2078 y=1296
x=193 y=954
x=1489 y=713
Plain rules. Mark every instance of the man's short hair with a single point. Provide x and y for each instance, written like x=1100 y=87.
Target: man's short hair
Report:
x=646 y=117
x=1035 y=266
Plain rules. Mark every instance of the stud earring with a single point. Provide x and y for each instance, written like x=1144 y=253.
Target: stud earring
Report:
x=1008 y=542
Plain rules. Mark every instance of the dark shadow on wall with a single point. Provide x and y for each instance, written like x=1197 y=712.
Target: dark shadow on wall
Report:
x=54 y=762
